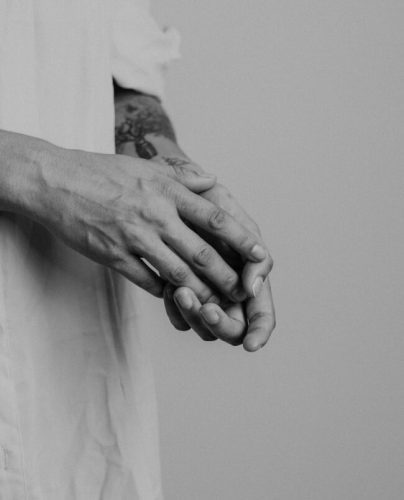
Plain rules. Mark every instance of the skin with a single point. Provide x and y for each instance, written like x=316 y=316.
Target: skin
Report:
x=142 y=127
x=124 y=213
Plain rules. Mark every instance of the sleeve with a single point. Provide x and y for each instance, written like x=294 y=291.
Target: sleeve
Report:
x=141 y=50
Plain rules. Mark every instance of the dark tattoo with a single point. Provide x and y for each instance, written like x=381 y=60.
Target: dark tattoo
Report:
x=136 y=117
x=130 y=131
x=175 y=162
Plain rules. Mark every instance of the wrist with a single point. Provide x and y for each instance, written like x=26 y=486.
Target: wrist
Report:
x=23 y=163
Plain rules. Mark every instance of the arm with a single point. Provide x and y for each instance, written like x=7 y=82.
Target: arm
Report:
x=136 y=116
x=117 y=211
x=142 y=128
x=20 y=159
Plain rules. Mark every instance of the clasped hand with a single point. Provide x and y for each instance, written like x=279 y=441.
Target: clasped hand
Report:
x=172 y=231
x=249 y=317
x=250 y=321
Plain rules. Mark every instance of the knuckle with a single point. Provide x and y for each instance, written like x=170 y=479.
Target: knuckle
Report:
x=253 y=241
x=205 y=295
x=247 y=242
x=178 y=171
x=144 y=186
x=230 y=282
x=262 y=317
x=135 y=241
x=119 y=265
x=167 y=188
x=204 y=256
x=266 y=320
x=181 y=203
x=181 y=199
x=117 y=258
x=217 y=218
x=178 y=275
x=149 y=213
x=157 y=214
x=211 y=298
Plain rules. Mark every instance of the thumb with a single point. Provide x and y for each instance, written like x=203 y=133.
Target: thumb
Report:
x=190 y=174
x=193 y=180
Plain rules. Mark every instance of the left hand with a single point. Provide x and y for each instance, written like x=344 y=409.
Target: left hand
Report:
x=251 y=322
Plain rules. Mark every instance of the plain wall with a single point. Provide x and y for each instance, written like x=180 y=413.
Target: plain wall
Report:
x=298 y=106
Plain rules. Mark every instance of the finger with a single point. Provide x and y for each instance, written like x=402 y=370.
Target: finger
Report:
x=174 y=270
x=229 y=325
x=254 y=275
x=205 y=260
x=232 y=258
x=189 y=306
x=252 y=271
x=261 y=319
x=136 y=271
x=173 y=313
x=189 y=176
x=221 y=224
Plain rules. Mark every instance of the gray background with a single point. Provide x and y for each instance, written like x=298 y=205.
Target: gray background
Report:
x=298 y=106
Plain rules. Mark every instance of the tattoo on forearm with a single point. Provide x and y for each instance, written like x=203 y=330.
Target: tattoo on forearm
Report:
x=136 y=117
x=130 y=131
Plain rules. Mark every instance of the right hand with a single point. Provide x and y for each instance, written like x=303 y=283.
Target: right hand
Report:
x=118 y=210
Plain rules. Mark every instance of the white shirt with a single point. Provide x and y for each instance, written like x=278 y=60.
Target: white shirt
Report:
x=77 y=408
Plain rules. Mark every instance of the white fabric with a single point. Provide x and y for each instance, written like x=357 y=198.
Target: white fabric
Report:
x=77 y=409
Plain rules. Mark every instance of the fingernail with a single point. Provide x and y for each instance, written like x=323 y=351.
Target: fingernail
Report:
x=257 y=286
x=184 y=300
x=256 y=347
x=210 y=316
x=207 y=174
x=258 y=252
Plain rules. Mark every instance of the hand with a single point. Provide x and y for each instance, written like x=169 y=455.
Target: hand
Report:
x=253 y=273
x=250 y=323
x=118 y=210
x=143 y=129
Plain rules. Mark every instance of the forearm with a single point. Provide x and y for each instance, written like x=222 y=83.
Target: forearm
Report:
x=143 y=129
x=21 y=163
